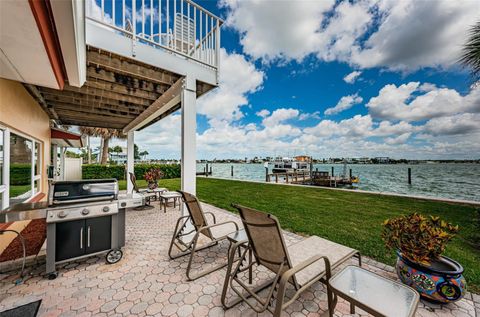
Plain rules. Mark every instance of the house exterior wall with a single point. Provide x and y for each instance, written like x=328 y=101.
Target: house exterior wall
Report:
x=20 y=113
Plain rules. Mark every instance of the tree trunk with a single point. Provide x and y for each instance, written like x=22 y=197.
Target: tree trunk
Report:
x=105 y=151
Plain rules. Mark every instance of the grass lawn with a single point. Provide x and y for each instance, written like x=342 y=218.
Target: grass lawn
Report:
x=352 y=219
x=17 y=190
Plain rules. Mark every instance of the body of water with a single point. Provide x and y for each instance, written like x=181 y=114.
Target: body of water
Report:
x=441 y=180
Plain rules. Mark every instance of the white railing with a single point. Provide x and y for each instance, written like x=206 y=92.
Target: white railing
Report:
x=178 y=26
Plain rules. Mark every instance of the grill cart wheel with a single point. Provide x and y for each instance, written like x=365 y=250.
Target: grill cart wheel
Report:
x=52 y=275
x=113 y=256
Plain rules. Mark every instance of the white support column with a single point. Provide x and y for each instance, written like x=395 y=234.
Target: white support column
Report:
x=130 y=159
x=55 y=160
x=189 y=130
x=62 y=163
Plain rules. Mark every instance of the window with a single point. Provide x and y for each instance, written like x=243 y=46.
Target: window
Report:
x=20 y=167
x=21 y=151
x=3 y=187
x=37 y=167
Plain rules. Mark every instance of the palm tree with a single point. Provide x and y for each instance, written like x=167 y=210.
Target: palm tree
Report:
x=471 y=52
x=143 y=154
x=106 y=135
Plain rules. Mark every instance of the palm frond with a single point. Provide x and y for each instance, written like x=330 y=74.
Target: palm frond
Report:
x=471 y=52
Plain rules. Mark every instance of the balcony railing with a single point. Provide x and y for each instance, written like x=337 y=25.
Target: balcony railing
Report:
x=178 y=26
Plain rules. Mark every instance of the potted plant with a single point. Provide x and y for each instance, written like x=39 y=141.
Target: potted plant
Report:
x=152 y=177
x=419 y=242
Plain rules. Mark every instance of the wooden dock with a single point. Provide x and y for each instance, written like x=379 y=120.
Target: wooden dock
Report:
x=297 y=177
x=317 y=178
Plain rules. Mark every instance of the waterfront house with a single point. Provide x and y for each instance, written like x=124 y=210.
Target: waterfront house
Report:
x=85 y=63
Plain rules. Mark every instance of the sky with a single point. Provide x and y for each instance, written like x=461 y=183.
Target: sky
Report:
x=335 y=79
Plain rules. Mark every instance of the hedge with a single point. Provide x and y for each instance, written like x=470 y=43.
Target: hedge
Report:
x=97 y=171
x=20 y=174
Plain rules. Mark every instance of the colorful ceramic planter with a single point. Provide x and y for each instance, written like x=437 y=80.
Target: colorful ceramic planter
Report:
x=441 y=281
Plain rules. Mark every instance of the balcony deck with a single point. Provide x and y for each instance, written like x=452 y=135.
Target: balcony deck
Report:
x=146 y=282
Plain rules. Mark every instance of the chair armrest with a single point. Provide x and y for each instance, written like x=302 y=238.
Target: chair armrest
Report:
x=302 y=265
x=213 y=216
x=297 y=268
x=219 y=224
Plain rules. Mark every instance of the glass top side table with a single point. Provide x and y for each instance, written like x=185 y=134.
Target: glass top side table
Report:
x=374 y=293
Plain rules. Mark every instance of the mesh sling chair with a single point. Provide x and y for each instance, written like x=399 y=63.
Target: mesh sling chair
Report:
x=144 y=192
x=194 y=227
x=301 y=264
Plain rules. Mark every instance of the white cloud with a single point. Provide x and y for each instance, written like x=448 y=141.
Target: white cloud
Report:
x=309 y=115
x=280 y=29
x=263 y=113
x=279 y=116
x=238 y=78
x=465 y=123
x=401 y=139
x=399 y=35
x=415 y=102
x=344 y=103
x=352 y=77
x=415 y=34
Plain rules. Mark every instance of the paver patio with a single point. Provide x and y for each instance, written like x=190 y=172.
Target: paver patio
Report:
x=146 y=282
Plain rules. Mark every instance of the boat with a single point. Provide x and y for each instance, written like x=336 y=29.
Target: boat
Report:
x=288 y=165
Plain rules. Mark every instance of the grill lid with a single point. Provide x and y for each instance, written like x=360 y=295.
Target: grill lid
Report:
x=64 y=192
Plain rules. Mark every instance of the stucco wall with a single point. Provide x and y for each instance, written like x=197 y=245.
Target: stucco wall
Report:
x=21 y=113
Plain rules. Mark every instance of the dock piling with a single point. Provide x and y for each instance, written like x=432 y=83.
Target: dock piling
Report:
x=333 y=174
x=409 y=176
x=206 y=170
x=267 y=178
x=350 y=173
x=231 y=171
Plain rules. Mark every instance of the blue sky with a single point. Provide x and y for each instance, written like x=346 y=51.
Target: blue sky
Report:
x=334 y=78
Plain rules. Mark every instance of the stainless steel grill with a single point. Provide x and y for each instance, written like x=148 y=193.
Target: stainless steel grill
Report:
x=84 y=218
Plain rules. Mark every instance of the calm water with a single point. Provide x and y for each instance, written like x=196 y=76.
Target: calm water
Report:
x=456 y=181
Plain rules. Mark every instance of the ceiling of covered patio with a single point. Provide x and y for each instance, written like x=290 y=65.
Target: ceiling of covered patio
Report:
x=117 y=91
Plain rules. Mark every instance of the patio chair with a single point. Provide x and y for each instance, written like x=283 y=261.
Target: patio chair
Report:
x=147 y=195
x=301 y=264
x=192 y=228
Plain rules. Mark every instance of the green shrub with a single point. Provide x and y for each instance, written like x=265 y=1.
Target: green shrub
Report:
x=97 y=171
x=20 y=174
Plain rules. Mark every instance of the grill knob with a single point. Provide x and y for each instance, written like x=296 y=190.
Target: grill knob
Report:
x=62 y=214
x=106 y=209
x=85 y=212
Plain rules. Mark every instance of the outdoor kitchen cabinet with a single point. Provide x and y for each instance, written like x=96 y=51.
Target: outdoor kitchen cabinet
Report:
x=77 y=238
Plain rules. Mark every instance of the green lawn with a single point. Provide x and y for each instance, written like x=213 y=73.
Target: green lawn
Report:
x=353 y=219
x=17 y=190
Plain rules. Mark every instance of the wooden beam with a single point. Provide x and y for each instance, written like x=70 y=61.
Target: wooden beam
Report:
x=122 y=66
x=39 y=98
x=172 y=93
x=94 y=92
x=120 y=89
x=91 y=110
x=91 y=123
x=86 y=118
x=133 y=109
x=49 y=93
x=95 y=73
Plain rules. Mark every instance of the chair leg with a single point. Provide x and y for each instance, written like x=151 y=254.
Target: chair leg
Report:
x=331 y=306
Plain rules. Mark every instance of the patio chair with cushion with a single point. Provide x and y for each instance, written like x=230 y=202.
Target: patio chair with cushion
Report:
x=194 y=233
x=147 y=195
x=301 y=264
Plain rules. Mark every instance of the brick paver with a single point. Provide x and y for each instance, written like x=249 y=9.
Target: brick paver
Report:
x=147 y=282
